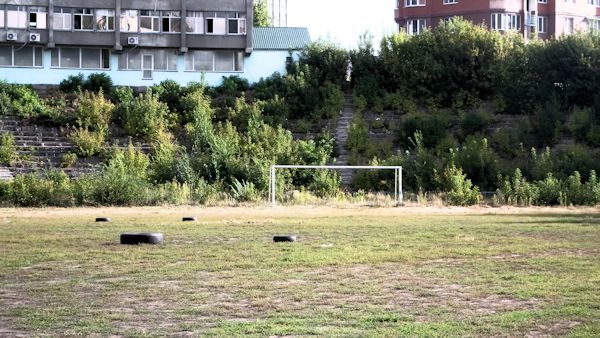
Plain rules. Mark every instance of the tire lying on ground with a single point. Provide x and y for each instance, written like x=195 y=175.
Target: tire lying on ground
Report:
x=284 y=238
x=102 y=219
x=141 y=238
x=189 y=219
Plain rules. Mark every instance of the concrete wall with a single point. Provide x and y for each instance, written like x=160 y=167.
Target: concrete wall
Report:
x=259 y=64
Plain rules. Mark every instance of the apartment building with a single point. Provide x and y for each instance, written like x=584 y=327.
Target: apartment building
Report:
x=136 y=42
x=542 y=18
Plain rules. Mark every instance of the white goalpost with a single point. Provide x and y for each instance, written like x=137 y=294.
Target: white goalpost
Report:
x=398 y=196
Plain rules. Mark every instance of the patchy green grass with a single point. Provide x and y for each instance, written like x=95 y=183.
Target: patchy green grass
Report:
x=353 y=272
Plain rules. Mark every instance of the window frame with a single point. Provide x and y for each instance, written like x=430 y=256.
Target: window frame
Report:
x=99 y=14
x=421 y=26
x=39 y=23
x=35 y=50
x=86 y=14
x=22 y=13
x=155 y=20
x=103 y=55
x=542 y=23
x=125 y=15
x=414 y=3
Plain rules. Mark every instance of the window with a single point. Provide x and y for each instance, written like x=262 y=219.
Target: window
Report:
x=194 y=22
x=171 y=21
x=37 y=17
x=86 y=58
x=505 y=21
x=216 y=23
x=63 y=20
x=105 y=19
x=569 y=1
x=162 y=59
x=416 y=26
x=450 y=2
x=11 y=56
x=542 y=1
x=214 y=61
x=236 y=24
x=16 y=16
x=594 y=25
x=569 y=26
x=542 y=24
x=129 y=20
x=1 y=16
x=149 y=21
x=83 y=19
x=410 y=3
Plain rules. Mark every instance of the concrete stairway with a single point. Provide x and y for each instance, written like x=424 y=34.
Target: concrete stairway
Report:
x=40 y=148
x=341 y=137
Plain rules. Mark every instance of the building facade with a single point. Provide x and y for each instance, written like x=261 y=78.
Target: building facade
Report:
x=278 y=12
x=542 y=18
x=136 y=42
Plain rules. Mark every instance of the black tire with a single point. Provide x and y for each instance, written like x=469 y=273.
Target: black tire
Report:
x=286 y=238
x=103 y=219
x=141 y=238
x=190 y=219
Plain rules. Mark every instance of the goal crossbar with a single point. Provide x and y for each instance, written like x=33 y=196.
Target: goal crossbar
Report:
x=398 y=196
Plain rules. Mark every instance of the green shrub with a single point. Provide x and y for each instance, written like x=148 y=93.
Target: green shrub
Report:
x=478 y=161
x=170 y=92
x=124 y=179
x=432 y=127
x=171 y=193
x=459 y=190
x=68 y=160
x=145 y=116
x=399 y=103
x=360 y=103
x=20 y=100
x=72 y=84
x=87 y=142
x=29 y=190
x=325 y=183
x=550 y=191
x=244 y=191
x=97 y=82
x=93 y=110
x=358 y=135
x=517 y=190
x=5 y=191
x=475 y=122
x=8 y=150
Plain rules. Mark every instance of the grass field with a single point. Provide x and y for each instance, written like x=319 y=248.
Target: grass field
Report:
x=353 y=272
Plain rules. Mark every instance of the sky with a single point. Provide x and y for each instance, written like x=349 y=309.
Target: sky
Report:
x=343 y=21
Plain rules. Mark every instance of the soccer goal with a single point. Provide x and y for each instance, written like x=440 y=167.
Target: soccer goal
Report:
x=398 y=197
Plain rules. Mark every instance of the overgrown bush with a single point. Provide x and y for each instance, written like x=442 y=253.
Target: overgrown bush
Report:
x=458 y=189
x=72 y=84
x=88 y=142
x=93 y=110
x=517 y=190
x=97 y=82
x=8 y=150
x=432 y=127
x=144 y=116
x=20 y=100
x=68 y=160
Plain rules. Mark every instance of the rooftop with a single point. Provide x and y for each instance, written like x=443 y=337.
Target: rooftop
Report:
x=280 y=38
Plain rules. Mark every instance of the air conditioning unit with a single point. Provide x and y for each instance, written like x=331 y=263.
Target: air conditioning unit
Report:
x=34 y=37
x=11 y=36
x=133 y=40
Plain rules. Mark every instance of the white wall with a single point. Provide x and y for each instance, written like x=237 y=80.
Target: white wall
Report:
x=259 y=64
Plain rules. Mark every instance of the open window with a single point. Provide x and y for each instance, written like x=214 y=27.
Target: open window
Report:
x=37 y=17
x=83 y=19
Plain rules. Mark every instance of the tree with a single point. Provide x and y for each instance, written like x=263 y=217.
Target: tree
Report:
x=261 y=14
